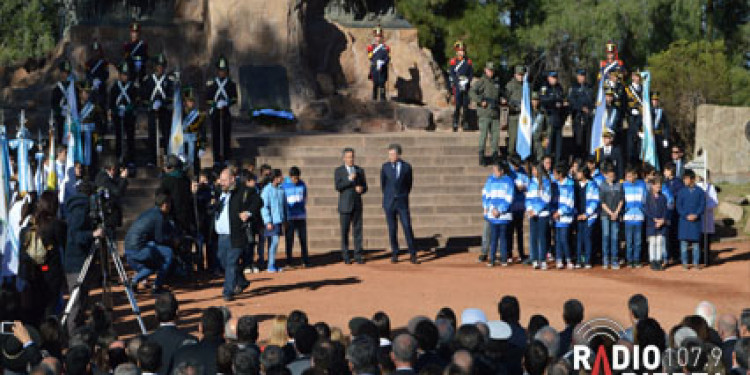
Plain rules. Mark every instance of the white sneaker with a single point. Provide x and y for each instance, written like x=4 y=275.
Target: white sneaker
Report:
x=571 y=266
x=535 y=264
x=247 y=271
x=578 y=266
x=588 y=266
x=559 y=265
x=544 y=265
x=256 y=270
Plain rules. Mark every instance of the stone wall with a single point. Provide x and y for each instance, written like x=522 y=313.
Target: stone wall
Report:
x=722 y=132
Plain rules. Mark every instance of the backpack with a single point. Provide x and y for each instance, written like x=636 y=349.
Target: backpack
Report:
x=33 y=245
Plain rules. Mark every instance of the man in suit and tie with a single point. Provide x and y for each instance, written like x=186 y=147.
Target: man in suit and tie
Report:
x=396 y=182
x=727 y=328
x=678 y=158
x=611 y=153
x=351 y=184
x=168 y=336
x=404 y=354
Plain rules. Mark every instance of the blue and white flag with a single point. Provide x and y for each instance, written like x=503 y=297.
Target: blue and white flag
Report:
x=600 y=118
x=4 y=178
x=23 y=144
x=74 y=124
x=176 y=139
x=68 y=185
x=648 y=144
x=40 y=180
x=523 y=141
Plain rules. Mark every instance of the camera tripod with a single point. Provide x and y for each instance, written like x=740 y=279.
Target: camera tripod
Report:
x=103 y=246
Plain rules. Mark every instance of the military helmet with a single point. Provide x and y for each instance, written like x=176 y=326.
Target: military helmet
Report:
x=123 y=68
x=188 y=93
x=490 y=66
x=65 y=66
x=552 y=73
x=377 y=31
x=611 y=47
x=135 y=26
x=161 y=60
x=609 y=91
x=459 y=45
x=654 y=95
x=608 y=133
x=520 y=69
x=222 y=63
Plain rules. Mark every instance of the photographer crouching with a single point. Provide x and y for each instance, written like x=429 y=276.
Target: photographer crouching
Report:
x=147 y=244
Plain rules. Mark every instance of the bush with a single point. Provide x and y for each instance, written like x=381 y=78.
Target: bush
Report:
x=28 y=29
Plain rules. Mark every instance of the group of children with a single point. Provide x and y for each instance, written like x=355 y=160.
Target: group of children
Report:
x=589 y=203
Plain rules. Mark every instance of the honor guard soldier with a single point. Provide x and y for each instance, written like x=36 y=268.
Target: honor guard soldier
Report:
x=460 y=72
x=581 y=99
x=513 y=98
x=59 y=101
x=552 y=99
x=380 y=55
x=122 y=99
x=486 y=95
x=193 y=130
x=612 y=62
x=156 y=93
x=661 y=128
x=634 y=97
x=97 y=74
x=92 y=128
x=612 y=114
x=221 y=94
x=135 y=53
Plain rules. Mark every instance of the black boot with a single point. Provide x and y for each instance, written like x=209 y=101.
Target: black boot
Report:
x=495 y=157
x=455 y=126
x=482 y=160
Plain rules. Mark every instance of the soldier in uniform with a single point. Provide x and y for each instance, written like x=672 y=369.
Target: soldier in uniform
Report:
x=194 y=131
x=612 y=114
x=612 y=62
x=92 y=128
x=122 y=100
x=135 y=53
x=581 y=99
x=156 y=93
x=552 y=99
x=486 y=94
x=460 y=72
x=60 y=98
x=221 y=93
x=661 y=129
x=539 y=128
x=97 y=74
x=634 y=97
x=380 y=55
x=513 y=97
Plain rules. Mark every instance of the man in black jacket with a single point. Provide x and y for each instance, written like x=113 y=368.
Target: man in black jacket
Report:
x=178 y=186
x=395 y=182
x=204 y=352
x=232 y=212
x=168 y=336
x=351 y=183
x=581 y=99
x=115 y=182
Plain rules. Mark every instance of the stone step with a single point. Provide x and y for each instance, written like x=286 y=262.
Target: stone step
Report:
x=283 y=151
x=323 y=179
x=371 y=161
x=405 y=139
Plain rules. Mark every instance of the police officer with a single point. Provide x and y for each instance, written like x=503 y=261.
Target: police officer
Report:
x=552 y=98
x=97 y=74
x=513 y=96
x=193 y=126
x=156 y=92
x=92 y=128
x=661 y=128
x=634 y=97
x=59 y=101
x=581 y=99
x=380 y=55
x=486 y=94
x=460 y=72
x=122 y=100
x=135 y=53
x=221 y=94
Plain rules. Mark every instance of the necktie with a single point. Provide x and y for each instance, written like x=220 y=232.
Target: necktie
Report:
x=222 y=202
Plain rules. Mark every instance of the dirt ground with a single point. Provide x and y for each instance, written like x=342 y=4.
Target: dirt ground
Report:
x=334 y=292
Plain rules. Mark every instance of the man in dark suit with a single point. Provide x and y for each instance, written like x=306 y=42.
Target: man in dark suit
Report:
x=204 y=352
x=168 y=336
x=404 y=354
x=396 y=182
x=351 y=184
x=678 y=158
x=611 y=153
x=727 y=328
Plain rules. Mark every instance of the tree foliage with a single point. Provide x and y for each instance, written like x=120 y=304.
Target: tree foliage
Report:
x=28 y=29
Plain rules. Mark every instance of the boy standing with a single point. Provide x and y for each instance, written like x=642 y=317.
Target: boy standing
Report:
x=691 y=201
x=635 y=196
x=497 y=197
x=657 y=221
x=274 y=214
x=587 y=206
x=563 y=202
x=296 y=199
x=612 y=200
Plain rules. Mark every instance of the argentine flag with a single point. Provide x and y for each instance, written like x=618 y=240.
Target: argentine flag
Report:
x=523 y=141
x=648 y=145
x=176 y=140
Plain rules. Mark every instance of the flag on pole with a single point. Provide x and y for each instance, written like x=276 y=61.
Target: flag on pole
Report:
x=648 y=143
x=4 y=178
x=600 y=118
x=74 y=124
x=39 y=177
x=52 y=172
x=67 y=187
x=23 y=144
x=523 y=141
x=176 y=141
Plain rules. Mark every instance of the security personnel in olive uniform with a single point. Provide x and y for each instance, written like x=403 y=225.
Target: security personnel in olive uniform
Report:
x=123 y=97
x=661 y=128
x=514 y=96
x=194 y=130
x=581 y=99
x=59 y=100
x=486 y=94
x=380 y=55
x=460 y=73
x=221 y=94
x=97 y=74
x=156 y=93
x=135 y=53
x=92 y=128
x=634 y=97
x=539 y=128
x=553 y=103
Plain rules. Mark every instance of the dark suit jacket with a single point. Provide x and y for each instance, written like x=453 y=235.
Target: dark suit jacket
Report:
x=615 y=157
x=202 y=353
x=239 y=201
x=170 y=339
x=348 y=198
x=395 y=189
x=405 y=372
x=727 y=348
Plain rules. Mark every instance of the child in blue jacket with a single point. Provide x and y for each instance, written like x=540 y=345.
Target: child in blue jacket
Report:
x=562 y=214
x=497 y=197
x=657 y=224
x=295 y=191
x=538 y=197
x=587 y=208
x=633 y=217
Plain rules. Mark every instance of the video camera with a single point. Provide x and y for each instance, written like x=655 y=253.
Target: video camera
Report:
x=103 y=210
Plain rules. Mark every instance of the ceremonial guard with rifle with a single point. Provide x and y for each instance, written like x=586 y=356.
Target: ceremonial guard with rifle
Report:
x=194 y=130
x=60 y=105
x=486 y=95
x=122 y=99
x=97 y=74
x=156 y=93
x=460 y=72
x=221 y=94
x=135 y=53
x=512 y=98
x=581 y=100
x=634 y=97
x=92 y=129
x=612 y=62
x=380 y=55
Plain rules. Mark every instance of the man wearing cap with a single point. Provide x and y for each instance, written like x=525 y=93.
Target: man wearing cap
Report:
x=552 y=97
x=194 y=130
x=485 y=93
x=59 y=101
x=460 y=72
x=97 y=74
x=634 y=97
x=221 y=94
x=92 y=128
x=135 y=53
x=156 y=93
x=539 y=128
x=581 y=99
x=513 y=97
x=379 y=55
x=122 y=99
x=661 y=128
x=612 y=62
x=610 y=153
x=612 y=113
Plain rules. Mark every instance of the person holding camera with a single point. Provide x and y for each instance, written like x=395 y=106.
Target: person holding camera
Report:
x=146 y=243
x=80 y=238
x=115 y=182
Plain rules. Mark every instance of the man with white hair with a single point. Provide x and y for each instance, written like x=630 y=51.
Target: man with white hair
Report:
x=707 y=311
x=551 y=340
x=727 y=328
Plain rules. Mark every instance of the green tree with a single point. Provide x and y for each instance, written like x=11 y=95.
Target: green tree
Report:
x=27 y=30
